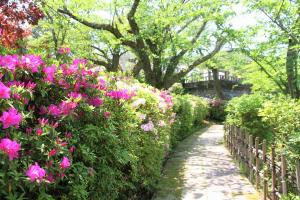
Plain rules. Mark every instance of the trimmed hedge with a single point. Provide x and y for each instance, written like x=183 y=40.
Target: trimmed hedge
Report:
x=190 y=113
x=276 y=119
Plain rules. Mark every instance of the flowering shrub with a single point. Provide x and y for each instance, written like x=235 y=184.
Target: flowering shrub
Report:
x=190 y=113
x=217 y=109
x=72 y=131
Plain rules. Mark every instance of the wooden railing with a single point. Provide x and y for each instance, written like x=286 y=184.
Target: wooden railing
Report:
x=268 y=171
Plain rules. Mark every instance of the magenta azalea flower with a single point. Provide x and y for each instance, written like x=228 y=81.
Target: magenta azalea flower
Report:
x=31 y=62
x=9 y=62
x=50 y=73
x=65 y=163
x=96 y=101
x=10 y=148
x=11 y=118
x=120 y=94
x=35 y=172
x=54 y=110
x=67 y=107
x=4 y=91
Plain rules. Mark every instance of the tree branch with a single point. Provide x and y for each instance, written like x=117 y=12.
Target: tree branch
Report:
x=280 y=25
x=106 y=27
x=130 y=17
x=203 y=59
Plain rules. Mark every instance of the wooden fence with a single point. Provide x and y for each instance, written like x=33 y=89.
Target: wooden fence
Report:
x=268 y=171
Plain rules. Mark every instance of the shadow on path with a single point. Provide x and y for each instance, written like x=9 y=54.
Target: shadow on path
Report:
x=201 y=168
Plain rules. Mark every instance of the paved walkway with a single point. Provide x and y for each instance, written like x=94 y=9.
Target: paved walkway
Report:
x=201 y=168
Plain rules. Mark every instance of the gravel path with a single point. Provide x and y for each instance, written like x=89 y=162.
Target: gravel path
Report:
x=201 y=168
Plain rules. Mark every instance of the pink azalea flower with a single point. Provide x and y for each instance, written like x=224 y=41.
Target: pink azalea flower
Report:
x=54 y=110
x=106 y=114
x=39 y=131
x=72 y=149
x=65 y=163
x=69 y=135
x=30 y=85
x=31 y=62
x=16 y=96
x=120 y=94
x=10 y=148
x=50 y=73
x=67 y=107
x=96 y=101
x=43 y=110
x=43 y=121
x=9 y=62
x=35 y=173
x=75 y=95
x=11 y=118
x=52 y=152
x=4 y=91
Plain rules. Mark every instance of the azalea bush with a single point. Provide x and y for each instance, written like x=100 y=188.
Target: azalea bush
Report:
x=190 y=113
x=217 y=109
x=72 y=131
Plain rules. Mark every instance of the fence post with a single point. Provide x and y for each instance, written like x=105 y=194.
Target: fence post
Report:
x=264 y=157
x=251 y=157
x=273 y=173
x=283 y=175
x=256 y=162
x=231 y=140
x=298 y=175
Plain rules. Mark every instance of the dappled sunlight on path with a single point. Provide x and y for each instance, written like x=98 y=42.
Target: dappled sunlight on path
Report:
x=202 y=168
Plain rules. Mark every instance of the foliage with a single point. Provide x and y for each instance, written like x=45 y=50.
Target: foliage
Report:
x=190 y=112
x=244 y=112
x=177 y=88
x=157 y=39
x=90 y=134
x=283 y=116
x=217 y=110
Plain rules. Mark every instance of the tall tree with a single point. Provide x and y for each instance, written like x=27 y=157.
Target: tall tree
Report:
x=277 y=55
x=169 y=38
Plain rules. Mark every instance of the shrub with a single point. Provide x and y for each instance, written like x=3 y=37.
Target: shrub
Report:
x=244 y=112
x=282 y=114
x=217 y=110
x=88 y=134
x=190 y=112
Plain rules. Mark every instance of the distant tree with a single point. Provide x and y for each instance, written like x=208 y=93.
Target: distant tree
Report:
x=169 y=39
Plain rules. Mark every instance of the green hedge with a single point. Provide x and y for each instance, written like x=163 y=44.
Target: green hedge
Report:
x=276 y=119
x=190 y=113
x=244 y=112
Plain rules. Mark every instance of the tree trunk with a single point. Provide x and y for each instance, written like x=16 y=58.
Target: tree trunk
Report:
x=291 y=68
x=217 y=84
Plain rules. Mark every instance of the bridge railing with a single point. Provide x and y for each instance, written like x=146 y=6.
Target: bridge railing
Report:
x=210 y=78
x=268 y=171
